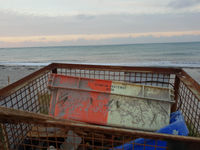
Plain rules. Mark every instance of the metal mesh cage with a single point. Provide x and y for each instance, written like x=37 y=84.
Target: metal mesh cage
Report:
x=64 y=135
x=28 y=126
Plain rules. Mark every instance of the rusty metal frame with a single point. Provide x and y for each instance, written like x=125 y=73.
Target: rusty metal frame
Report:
x=180 y=77
x=45 y=119
x=16 y=85
x=53 y=67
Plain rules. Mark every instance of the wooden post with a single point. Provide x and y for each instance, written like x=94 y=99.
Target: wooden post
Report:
x=4 y=138
x=8 y=80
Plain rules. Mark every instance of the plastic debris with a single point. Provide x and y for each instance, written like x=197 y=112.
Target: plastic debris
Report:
x=51 y=148
x=72 y=141
x=177 y=126
x=111 y=103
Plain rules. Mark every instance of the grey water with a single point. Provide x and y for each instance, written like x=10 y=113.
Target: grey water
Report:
x=155 y=54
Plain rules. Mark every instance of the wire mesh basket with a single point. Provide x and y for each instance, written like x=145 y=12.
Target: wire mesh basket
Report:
x=25 y=123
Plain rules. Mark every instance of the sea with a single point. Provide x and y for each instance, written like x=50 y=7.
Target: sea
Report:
x=156 y=54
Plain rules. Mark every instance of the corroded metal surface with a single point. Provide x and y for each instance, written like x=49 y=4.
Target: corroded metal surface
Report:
x=9 y=115
x=31 y=94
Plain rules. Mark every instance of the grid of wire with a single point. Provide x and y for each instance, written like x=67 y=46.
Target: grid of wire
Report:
x=49 y=136
x=34 y=96
x=189 y=105
x=146 y=78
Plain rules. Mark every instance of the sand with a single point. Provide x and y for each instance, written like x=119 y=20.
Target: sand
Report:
x=194 y=73
x=10 y=74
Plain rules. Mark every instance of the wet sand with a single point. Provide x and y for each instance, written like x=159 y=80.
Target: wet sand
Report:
x=10 y=74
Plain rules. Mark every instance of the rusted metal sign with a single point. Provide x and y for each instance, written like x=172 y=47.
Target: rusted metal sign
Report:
x=108 y=102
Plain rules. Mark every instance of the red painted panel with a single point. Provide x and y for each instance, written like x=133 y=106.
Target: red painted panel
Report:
x=83 y=106
x=62 y=81
x=100 y=85
x=68 y=80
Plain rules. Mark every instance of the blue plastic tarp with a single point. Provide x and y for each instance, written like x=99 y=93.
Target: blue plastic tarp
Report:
x=177 y=126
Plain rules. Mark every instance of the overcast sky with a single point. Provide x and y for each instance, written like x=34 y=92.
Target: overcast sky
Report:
x=89 y=22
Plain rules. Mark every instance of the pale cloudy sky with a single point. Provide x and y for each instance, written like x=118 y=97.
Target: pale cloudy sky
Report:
x=89 y=22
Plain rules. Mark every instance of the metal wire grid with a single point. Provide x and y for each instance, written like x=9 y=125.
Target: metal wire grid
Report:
x=146 y=78
x=14 y=134
x=33 y=97
x=46 y=135
x=189 y=105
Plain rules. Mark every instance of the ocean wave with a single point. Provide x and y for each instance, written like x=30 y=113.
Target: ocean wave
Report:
x=23 y=64
x=137 y=64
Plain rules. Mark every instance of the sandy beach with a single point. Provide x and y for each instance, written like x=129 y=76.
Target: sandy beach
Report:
x=194 y=73
x=10 y=74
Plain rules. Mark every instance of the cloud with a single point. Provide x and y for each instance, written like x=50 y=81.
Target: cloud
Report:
x=124 y=39
x=95 y=21
x=28 y=25
x=85 y=17
x=93 y=37
x=55 y=8
x=183 y=3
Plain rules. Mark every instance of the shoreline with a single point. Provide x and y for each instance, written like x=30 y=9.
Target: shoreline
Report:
x=163 y=64
x=11 y=73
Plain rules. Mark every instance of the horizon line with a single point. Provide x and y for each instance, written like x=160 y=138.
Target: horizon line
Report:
x=82 y=45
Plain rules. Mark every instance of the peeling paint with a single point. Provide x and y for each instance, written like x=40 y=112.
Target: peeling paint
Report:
x=112 y=103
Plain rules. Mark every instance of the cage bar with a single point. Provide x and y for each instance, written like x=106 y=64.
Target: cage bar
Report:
x=24 y=108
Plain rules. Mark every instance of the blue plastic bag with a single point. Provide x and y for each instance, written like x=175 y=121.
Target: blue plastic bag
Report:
x=177 y=126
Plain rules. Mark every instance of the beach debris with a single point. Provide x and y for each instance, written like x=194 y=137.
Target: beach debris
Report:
x=110 y=103
x=51 y=148
x=72 y=141
x=177 y=126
